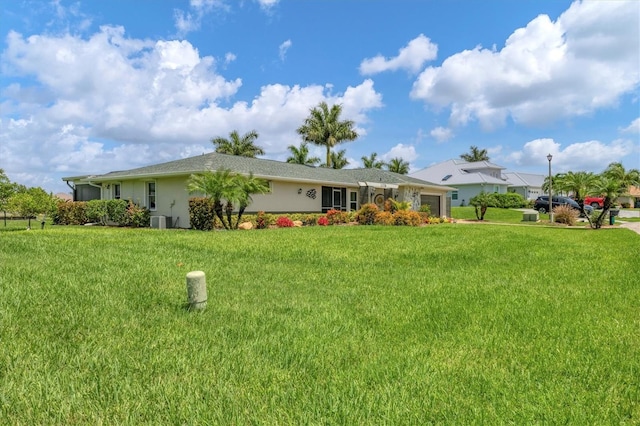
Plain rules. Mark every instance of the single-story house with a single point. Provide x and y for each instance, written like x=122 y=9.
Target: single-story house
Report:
x=528 y=185
x=293 y=187
x=467 y=178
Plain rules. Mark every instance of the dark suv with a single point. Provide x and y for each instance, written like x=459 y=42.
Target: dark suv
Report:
x=542 y=204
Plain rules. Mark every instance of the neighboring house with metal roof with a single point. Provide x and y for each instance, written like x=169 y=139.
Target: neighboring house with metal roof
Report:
x=528 y=185
x=467 y=178
x=293 y=187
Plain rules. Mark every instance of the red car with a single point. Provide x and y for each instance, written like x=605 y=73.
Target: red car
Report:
x=595 y=202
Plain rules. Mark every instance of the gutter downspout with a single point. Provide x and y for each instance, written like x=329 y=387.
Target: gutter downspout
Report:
x=73 y=188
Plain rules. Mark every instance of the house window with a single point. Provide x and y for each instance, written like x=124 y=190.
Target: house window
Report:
x=354 y=201
x=454 y=195
x=116 y=191
x=334 y=198
x=496 y=189
x=151 y=195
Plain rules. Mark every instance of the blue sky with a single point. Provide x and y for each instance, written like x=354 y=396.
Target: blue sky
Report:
x=90 y=87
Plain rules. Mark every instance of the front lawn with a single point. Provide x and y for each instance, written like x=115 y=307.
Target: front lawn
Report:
x=450 y=323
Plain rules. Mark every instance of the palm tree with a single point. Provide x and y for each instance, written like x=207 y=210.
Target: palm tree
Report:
x=300 y=155
x=338 y=159
x=475 y=154
x=217 y=186
x=398 y=165
x=249 y=186
x=626 y=178
x=371 y=162
x=323 y=127
x=578 y=184
x=610 y=188
x=243 y=146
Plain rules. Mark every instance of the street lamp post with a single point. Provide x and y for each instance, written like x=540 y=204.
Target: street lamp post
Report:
x=549 y=157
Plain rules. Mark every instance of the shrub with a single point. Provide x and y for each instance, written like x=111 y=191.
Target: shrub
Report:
x=336 y=217
x=70 y=213
x=284 y=222
x=566 y=215
x=96 y=211
x=310 y=220
x=323 y=221
x=385 y=218
x=201 y=213
x=625 y=205
x=510 y=200
x=425 y=208
x=117 y=211
x=367 y=214
x=137 y=216
x=407 y=218
x=263 y=220
x=433 y=220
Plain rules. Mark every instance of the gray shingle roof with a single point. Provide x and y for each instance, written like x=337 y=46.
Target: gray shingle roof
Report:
x=262 y=168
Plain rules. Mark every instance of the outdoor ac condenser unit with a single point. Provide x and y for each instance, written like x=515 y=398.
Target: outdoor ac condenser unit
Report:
x=159 y=222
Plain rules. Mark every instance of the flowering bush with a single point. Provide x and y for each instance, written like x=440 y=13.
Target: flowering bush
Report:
x=323 y=221
x=336 y=216
x=284 y=222
x=262 y=220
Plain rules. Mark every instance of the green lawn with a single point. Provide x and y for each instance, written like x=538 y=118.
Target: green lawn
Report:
x=451 y=323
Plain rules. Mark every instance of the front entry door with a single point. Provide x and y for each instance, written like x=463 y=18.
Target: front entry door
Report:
x=337 y=198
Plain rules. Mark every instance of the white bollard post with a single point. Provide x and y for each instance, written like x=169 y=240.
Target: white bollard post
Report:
x=196 y=290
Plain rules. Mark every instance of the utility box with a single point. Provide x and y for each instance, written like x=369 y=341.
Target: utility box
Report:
x=530 y=217
x=159 y=222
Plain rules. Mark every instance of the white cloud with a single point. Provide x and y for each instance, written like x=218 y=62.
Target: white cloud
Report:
x=283 y=48
x=111 y=103
x=267 y=5
x=633 y=128
x=587 y=156
x=411 y=58
x=441 y=134
x=189 y=21
x=406 y=152
x=584 y=61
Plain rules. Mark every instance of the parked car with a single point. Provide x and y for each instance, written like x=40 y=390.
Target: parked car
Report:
x=542 y=204
x=595 y=202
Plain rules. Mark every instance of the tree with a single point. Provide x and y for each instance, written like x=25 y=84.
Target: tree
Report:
x=481 y=202
x=226 y=189
x=475 y=154
x=371 y=162
x=323 y=127
x=7 y=189
x=398 y=165
x=338 y=159
x=32 y=202
x=625 y=178
x=243 y=146
x=217 y=186
x=300 y=155
x=578 y=184
x=611 y=184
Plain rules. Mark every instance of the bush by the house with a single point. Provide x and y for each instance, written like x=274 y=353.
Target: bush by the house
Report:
x=367 y=214
x=70 y=213
x=566 y=215
x=201 y=213
x=425 y=208
x=137 y=216
x=407 y=218
x=336 y=217
x=510 y=200
x=284 y=222
x=323 y=221
x=384 y=218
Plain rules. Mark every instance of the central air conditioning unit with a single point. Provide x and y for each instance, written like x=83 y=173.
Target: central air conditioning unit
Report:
x=159 y=222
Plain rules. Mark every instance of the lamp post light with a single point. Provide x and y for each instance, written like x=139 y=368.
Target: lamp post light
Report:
x=549 y=157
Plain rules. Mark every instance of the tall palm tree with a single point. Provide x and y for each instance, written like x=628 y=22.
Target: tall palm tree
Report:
x=398 y=165
x=338 y=159
x=475 y=154
x=300 y=155
x=243 y=146
x=323 y=127
x=371 y=162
